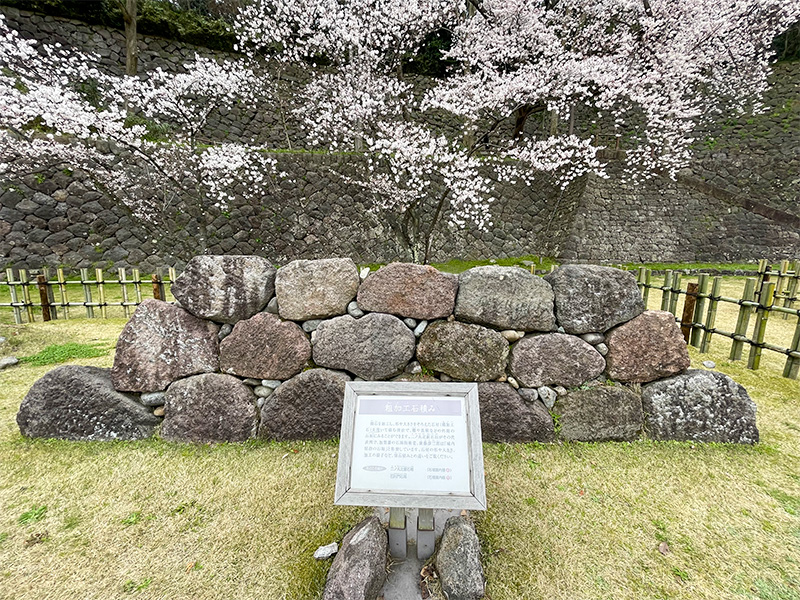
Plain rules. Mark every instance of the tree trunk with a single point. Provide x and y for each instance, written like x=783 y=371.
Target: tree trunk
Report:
x=131 y=43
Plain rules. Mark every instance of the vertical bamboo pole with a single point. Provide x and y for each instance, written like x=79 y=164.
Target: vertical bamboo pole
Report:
x=62 y=290
x=687 y=320
x=12 y=289
x=26 y=294
x=44 y=297
x=675 y=293
x=711 y=317
x=700 y=308
x=648 y=275
x=791 y=290
x=763 y=267
x=792 y=366
x=123 y=284
x=87 y=293
x=137 y=286
x=640 y=279
x=767 y=298
x=665 y=290
x=101 y=292
x=743 y=320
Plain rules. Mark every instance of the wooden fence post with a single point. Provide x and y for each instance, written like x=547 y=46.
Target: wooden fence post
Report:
x=44 y=297
x=137 y=286
x=700 y=308
x=687 y=320
x=87 y=293
x=711 y=318
x=158 y=287
x=791 y=289
x=12 y=288
x=743 y=320
x=767 y=297
x=51 y=297
x=792 y=366
x=665 y=290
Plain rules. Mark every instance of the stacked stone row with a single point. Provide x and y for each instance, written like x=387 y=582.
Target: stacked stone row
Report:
x=251 y=351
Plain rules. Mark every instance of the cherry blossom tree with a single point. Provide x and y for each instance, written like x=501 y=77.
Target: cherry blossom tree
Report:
x=46 y=122
x=643 y=71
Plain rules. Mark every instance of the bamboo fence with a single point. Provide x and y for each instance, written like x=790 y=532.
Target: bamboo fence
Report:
x=771 y=292
x=37 y=295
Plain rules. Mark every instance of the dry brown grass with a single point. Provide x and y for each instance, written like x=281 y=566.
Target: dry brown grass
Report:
x=154 y=520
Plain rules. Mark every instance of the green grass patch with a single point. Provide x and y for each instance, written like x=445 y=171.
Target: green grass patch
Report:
x=59 y=353
x=34 y=515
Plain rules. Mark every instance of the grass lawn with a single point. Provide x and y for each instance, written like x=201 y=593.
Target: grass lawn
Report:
x=154 y=520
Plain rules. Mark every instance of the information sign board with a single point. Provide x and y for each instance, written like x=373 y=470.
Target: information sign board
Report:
x=414 y=445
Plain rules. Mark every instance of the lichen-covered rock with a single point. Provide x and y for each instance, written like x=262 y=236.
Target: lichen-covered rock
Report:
x=377 y=346
x=506 y=417
x=505 y=298
x=316 y=289
x=409 y=290
x=308 y=406
x=162 y=343
x=702 y=406
x=80 y=403
x=211 y=407
x=599 y=414
x=463 y=351
x=225 y=288
x=591 y=299
x=646 y=348
x=554 y=359
x=458 y=561
x=264 y=347
x=359 y=570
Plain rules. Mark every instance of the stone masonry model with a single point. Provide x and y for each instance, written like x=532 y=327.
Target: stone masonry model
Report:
x=248 y=351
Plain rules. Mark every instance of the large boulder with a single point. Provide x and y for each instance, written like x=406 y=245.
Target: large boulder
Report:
x=264 y=347
x=554 y=359
x=377 y=346
x=409 y=290
x=211 y=407
x=80 y=403
x=225 y=288
x=590 y=298
x=316 y=289
x=162 y=343
x=599 y=414
x=702 y=406
x=308 y=406
x=359 y=570
x=506 y=417
x=458 y=561
x=505 y=298
x=463 y=351
x=646 y=348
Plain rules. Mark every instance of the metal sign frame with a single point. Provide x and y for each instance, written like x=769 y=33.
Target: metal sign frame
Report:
x=475 y=499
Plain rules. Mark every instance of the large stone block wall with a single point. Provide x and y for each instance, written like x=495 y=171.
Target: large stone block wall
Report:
x=745 y=169
x=251 y=351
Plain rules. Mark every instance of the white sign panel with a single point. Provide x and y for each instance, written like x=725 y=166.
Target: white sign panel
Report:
x=411 y=445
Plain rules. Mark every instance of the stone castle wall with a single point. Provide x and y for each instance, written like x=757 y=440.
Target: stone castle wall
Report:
x=739 y=200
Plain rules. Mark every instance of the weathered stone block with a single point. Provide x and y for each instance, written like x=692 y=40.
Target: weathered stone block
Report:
x=600 y=414
x=554 y=359
x=80 y=403
x=409 y=290
x=377 y=346
x=316 y=289
x=505 y=298
x=506 y=417
x=463 y=351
